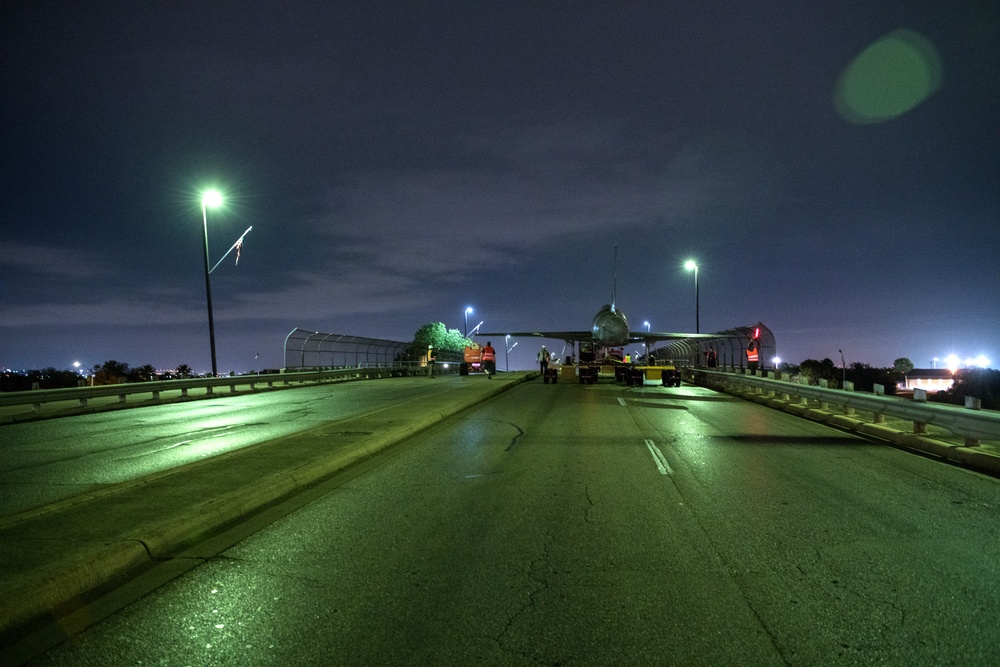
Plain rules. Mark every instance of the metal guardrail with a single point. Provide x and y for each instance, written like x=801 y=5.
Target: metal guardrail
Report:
x=37 y=397
x=969 y=422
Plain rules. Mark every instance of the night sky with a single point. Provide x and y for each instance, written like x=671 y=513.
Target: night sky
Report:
x=833 y=167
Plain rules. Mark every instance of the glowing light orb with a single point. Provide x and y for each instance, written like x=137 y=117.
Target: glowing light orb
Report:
x=211 y=198
x=888 y=78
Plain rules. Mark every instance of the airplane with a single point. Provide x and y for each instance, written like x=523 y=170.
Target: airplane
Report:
x=609 y=331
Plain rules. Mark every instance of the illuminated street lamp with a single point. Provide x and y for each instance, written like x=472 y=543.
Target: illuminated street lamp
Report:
x=467 y=311
x=690 y=265
x=209 y=199
x=506 y=351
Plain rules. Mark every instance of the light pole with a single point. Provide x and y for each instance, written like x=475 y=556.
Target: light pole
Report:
x=506 y=359
x=843 y=369
x=209 y=199
x=690 y=265
x=647 y=343
x=468 y=310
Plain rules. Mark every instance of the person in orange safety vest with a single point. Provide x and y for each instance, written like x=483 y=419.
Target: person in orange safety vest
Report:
x=489 y=360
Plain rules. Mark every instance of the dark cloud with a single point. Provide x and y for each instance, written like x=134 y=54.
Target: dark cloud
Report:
x=398 y=162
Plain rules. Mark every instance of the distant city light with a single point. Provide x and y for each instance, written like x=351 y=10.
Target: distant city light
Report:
x=952 y=362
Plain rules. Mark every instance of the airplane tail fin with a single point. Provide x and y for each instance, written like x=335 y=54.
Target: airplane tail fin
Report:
x=614 y=281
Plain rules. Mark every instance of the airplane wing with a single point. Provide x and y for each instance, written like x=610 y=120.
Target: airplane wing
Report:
x=568 y=336
x=576 y=336
x=641 y=336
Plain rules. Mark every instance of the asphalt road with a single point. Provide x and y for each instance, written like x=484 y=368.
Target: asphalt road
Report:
x=46 y=461
x=572 y=525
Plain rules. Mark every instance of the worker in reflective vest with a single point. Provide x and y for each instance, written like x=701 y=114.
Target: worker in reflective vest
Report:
x=489 y=360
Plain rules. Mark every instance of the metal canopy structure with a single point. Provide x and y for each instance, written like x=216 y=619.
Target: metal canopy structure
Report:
x=315 y=349
x=728 y=347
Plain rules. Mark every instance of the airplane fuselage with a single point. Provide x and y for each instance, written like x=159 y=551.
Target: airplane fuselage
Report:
x=610 y=327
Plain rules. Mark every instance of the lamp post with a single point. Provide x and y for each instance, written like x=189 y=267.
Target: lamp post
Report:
x=507 y=352
x=690 y=265
x=209 y=199
x=468 y=310
x=647 y=343
x=843 y=369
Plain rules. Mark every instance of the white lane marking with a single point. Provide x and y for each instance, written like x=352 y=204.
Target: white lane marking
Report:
x=659 y=458
x=621 y=400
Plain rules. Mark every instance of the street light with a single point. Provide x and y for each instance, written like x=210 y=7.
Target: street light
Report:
x=506 y=351
x=209 y=199
x=690 y=265
x=468 y=310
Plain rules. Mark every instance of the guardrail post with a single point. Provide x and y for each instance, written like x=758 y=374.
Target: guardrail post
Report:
x=848 y=386
x=878 y=417
x=972 y=404
x=121 y=398
x=824 y=384
x=83 y=402
x=184 y=392
x=156 y=395
x=919 y=396
x=208 y=390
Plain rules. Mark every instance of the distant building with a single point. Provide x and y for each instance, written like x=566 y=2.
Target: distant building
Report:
x=929 y=379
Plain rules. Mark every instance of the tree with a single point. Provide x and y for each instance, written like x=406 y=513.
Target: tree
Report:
x=183 y=371
x=814 y=371
x=981 y=383
x=448 y=343
x=443 y=339
x=141 y=374
x=865 y=377
x=902 y=365
x=53 y=378
x=110 y=372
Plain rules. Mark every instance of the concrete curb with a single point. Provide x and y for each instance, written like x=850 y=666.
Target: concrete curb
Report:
x=54 y=562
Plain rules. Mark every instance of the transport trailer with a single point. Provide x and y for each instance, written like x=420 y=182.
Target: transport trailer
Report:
x=667 y=375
